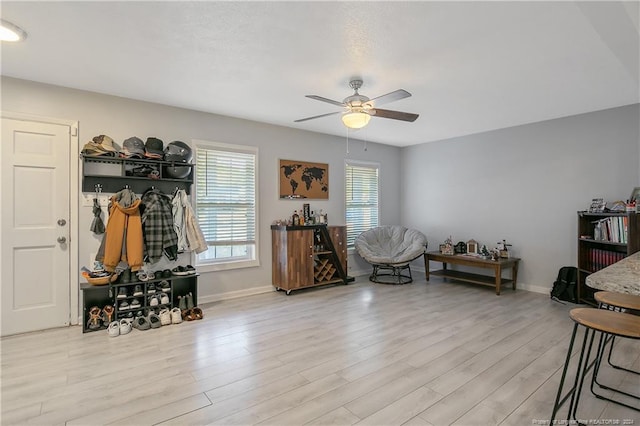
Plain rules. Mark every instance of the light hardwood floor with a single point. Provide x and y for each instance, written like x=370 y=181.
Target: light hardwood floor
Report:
x=418 y=354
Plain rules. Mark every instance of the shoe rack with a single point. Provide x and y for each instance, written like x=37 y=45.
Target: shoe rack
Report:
x=107 y=295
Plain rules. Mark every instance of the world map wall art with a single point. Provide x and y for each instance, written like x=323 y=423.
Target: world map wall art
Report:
x=301 y=179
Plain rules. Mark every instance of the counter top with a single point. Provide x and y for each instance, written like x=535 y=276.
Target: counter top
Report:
x=621 y=277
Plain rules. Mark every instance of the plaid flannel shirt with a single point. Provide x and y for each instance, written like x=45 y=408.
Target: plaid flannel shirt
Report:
x=157 y=222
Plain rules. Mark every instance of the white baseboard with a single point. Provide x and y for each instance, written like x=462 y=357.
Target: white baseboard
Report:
x=234 y=294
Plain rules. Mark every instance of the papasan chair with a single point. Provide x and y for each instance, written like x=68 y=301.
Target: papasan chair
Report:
x=390 y=249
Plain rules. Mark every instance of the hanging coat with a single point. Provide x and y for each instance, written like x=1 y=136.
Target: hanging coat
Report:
x=190 y=235
x=159 y=236
x=122 y=240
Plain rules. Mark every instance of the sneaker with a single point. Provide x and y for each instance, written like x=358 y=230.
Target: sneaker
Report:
x=182 y=303
x=137 y=290
x=153 y=301
x=164 y=299
x=154 y=320
x=114 y=329
x=166 y=273
x=165 y=286
x=179 y=270
x=125 y=327
x=141 y=323
x=165 y=316
x=135 y=304
x=123 y=306
x=190 y=270
x=151 y=288
x=176 y=316
x=151 y=275
x=122 y=293
x=142 y=276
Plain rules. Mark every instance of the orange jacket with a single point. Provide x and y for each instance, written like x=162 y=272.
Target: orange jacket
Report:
x=123 y=236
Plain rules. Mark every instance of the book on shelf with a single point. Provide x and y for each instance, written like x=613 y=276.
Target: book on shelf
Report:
x=599 y=258
x=611 y=229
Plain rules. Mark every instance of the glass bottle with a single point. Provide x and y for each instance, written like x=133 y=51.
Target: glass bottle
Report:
x=295 y=219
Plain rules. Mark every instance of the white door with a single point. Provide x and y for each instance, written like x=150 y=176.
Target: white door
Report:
x=34 y=214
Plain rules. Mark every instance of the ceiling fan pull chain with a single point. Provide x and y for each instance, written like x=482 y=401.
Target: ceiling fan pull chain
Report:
x=347 y=140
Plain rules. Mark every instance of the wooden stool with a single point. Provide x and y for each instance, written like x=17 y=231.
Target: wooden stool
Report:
x=593 y=320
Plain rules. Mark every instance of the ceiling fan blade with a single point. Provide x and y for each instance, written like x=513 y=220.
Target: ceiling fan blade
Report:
x=390 y=97
x=317 y=116
x=395 y=115
x=329 y=101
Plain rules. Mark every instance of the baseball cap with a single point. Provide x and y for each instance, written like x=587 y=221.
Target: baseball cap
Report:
x=154 y=148
x=133 y=148
x=101 y=145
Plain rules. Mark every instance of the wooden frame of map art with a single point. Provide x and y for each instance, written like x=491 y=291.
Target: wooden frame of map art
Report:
x=302 y=179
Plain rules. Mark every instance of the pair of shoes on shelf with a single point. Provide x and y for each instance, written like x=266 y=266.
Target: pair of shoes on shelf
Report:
x=160 y=299
x=122 y=293
x=189 y=311
x=151 y=288
x=164 y=286
x=137 y=291
x=146 y=276
x=192 y=314
x=95 y=318
x=185 y=302
x=183 y=270
x=119 y=328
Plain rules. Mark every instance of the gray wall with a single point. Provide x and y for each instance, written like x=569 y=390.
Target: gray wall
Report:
x=523 y=184
x=121 y=118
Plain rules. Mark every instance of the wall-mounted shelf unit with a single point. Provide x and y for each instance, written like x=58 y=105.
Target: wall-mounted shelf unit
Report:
x=111 y=174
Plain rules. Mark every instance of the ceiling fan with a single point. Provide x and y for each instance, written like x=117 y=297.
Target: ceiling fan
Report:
x=358 y=109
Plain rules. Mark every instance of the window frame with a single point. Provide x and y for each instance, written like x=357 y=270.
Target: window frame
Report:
x=364 y=164
x=222 y=265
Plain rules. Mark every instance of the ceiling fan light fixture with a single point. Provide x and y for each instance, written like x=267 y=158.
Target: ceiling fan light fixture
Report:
x=356 y=119
x=11 y=32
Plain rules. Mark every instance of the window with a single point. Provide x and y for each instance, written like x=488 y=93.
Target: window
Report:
x=361 y=198
x=226 y=200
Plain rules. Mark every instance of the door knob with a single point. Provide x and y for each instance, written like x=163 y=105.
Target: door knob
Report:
x=62 y=222
x=62 y=240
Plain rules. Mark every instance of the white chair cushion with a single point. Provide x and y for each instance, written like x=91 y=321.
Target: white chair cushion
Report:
x=390 y=245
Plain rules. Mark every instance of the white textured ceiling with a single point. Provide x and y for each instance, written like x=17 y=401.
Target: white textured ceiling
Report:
x=471 y=66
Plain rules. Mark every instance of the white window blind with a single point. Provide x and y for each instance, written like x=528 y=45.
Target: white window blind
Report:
x=226 y=202
x=361 y=199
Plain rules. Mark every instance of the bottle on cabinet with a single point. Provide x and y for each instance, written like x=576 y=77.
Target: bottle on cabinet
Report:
x=295 y=219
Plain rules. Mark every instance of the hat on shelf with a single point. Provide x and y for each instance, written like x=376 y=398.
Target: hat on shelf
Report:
x=100 y=146
x=154 y=148
x=132 y=148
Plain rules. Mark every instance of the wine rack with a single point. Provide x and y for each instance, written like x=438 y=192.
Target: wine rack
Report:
x=323 y=271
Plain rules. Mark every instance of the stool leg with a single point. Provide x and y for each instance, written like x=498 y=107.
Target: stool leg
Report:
x=617 y=367
x=573 y=408
x=594 y=378
x=559 y=403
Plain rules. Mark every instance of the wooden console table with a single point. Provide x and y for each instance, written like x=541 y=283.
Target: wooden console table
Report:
x=457 y=259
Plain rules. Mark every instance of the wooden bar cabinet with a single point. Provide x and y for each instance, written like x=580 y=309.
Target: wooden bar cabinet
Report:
x=308 y=256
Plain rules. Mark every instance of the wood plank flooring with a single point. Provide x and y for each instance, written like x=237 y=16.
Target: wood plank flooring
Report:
x=419 y=354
